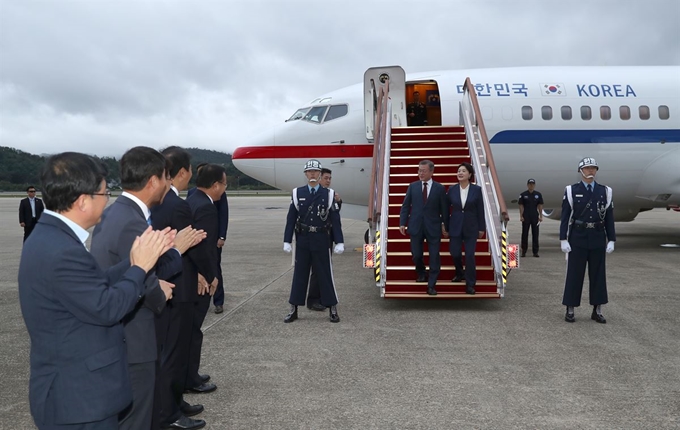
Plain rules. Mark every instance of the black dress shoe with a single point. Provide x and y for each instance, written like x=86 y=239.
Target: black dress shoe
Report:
x=470 y=290
x=431 y=291
x=536 y=255
x=206 y=387
x=569 y=317
x=190 y=410
x=458 y=278
x=598 y=317
x=219 y=309
x=523 y=254
x=292 y=315
x=204 y=378
x=421 y=278
x=316 y=307
x=186 y=423
x=334 y=314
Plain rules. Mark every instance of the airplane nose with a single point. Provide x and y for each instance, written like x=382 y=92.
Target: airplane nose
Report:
x=256 y=158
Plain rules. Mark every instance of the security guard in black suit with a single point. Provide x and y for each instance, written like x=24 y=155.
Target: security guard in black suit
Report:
x=531 y=215
x=586 y=233
x=416 y=112
x=313 y=217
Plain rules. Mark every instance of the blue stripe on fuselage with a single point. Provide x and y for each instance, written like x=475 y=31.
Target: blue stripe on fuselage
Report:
x=586 y=136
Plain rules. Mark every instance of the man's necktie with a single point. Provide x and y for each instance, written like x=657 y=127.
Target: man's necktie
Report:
x=424 y=192
x=590 y=188
x=148 y=220
x=313 y=191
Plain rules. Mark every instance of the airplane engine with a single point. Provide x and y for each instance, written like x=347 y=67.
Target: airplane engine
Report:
x=552 y=213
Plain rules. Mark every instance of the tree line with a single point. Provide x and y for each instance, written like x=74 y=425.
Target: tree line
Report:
x=19 y=169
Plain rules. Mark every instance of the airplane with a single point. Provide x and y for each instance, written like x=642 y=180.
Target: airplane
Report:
x=540 y=122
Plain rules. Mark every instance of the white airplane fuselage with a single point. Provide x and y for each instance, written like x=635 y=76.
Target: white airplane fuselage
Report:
x=633 y=131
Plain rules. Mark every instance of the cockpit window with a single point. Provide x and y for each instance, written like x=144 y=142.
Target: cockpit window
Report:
x=316 y=114
x=299 y=114
x=336 y=111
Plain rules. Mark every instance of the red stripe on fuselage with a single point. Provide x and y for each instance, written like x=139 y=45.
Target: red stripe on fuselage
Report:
x=320 y=151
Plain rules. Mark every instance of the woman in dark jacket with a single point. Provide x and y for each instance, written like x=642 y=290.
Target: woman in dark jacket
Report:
x=466 y=224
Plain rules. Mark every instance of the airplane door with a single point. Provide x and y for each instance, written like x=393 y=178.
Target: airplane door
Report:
x=374 y=80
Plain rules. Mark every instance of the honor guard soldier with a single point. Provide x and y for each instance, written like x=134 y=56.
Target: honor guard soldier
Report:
x=531 y=215
x=586 y=233
x=313 y=216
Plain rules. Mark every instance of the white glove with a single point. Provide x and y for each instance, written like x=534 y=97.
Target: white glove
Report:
x=286 y=247
x=339 y=248
x=565 y=246
x=610 y=247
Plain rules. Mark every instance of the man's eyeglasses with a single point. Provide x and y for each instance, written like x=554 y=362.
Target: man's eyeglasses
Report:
x=31 y=191
x=106 y=193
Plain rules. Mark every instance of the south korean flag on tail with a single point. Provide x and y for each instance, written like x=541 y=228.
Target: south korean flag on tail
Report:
x=552 y=90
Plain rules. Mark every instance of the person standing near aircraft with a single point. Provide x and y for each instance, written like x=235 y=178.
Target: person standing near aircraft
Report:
x=222 y=206
x=423 y=213
x=144 y=178
x=30 y=210
x=72 y=308
x=210 y=186
x=416 y=111
x=174 y=326
x=314 y=293
x=313 y=217
x=531 y=215
x=466 y=224
x=586 y=235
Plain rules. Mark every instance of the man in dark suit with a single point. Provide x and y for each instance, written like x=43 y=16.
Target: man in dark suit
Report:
x=174 y=327
x=144 y=180
x=424 y=211
x=466 y=224
x=72 y=308
x=210 y=186
x=222 y=206
x=30 y=210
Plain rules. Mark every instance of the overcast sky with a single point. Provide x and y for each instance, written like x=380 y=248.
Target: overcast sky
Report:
x=102 y=76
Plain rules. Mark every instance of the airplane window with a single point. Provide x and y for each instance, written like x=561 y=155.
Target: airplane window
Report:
x=335 y=112
x=586 y=113
x=566 y=112
x=624 y=112
x=527 y=112
x=605 y=112
x=546 y=112
x=316 y=114
x=664 y=113
x=644 y=112
x=299 y=114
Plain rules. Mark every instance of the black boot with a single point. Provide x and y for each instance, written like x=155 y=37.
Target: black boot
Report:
x=333 y=312
x=292 y=315
x=569 y=316
x=597 y=316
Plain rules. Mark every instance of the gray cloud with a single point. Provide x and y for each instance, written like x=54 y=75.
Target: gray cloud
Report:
x=102 y=76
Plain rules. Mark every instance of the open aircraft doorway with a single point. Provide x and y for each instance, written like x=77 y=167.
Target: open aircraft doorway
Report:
x=423 y=103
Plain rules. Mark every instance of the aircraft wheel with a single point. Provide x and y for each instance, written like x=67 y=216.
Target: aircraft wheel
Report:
x=366 y=236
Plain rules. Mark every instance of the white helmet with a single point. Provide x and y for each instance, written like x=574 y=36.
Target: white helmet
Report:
x=312 y=165
x=587 y=162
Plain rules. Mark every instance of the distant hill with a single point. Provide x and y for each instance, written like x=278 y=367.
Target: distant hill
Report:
x=19 y=169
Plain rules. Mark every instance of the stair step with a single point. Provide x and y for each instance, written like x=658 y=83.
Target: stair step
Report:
x=429 y=129
x=433 y=143
x=413 y=159
x=439 y=296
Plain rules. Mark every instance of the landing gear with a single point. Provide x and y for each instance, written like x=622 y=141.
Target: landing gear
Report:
x=366 y=236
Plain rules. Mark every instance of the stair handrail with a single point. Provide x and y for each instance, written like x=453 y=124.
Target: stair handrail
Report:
x=377 y=183
x=482 y=159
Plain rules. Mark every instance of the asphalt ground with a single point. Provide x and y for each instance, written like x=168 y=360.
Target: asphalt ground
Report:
x=512 y=363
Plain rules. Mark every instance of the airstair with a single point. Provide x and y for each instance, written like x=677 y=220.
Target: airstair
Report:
x=397 y=152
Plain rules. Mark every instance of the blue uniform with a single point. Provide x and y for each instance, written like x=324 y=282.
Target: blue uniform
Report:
x=588 y=227
x=530 y=201
x=313 y=220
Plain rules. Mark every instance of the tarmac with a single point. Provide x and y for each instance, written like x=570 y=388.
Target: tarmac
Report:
x=512 y=363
